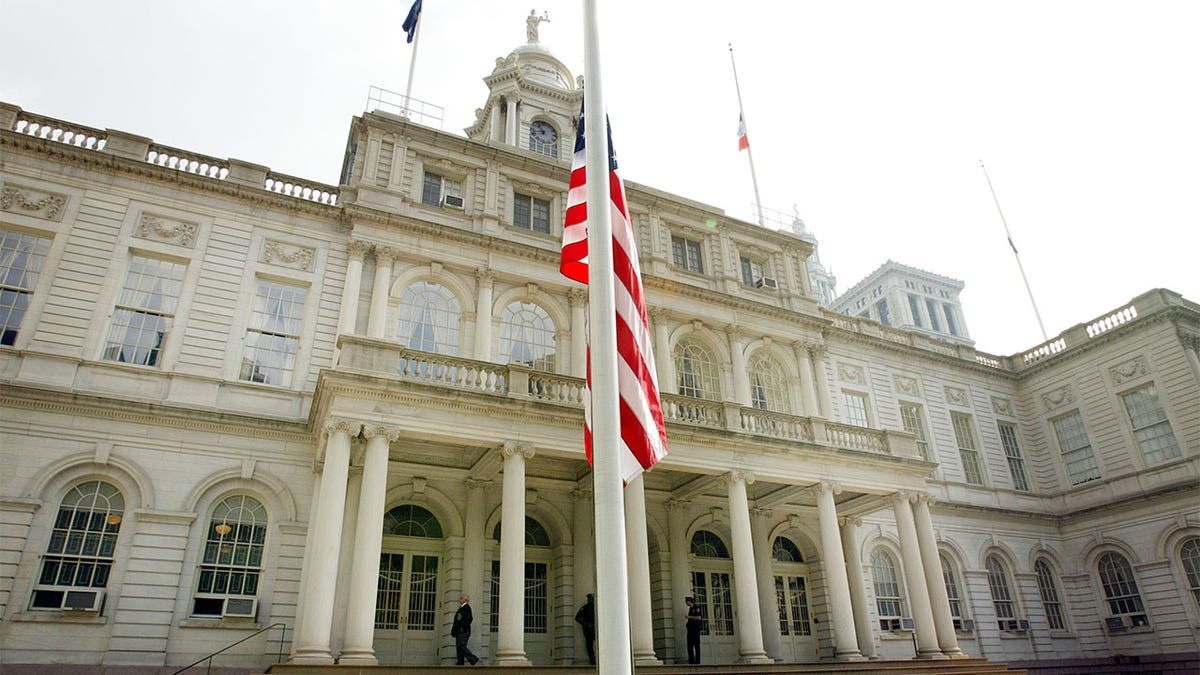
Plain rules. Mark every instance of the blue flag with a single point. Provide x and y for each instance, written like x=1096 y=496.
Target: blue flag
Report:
x=410 y=21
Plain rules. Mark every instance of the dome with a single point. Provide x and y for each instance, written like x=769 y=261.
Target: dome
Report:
x=538 y=66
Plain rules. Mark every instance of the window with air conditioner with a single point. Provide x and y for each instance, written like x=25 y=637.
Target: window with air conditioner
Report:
x=83 y=542
x=1121 y=589
x=231 y=565
x=438 y=190
x=886 y=581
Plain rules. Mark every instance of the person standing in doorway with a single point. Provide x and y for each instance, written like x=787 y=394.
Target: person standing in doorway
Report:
x=586 y=618
x=461 y=632
x=693 y=629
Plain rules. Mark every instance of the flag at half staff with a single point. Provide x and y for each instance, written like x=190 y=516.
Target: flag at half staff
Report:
x=743 y=139
x=410 y=21
x=642 y=429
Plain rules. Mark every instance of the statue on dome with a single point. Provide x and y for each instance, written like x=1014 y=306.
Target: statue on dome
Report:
x=531 y=25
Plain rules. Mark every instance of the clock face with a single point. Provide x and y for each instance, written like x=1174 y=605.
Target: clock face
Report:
x=543 y=133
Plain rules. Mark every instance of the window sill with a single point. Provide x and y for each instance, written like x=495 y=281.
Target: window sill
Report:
x=218 y=622
x=892 y=635
x=58 y=616
x=1007 y=635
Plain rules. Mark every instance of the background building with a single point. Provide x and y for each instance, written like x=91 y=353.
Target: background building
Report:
x=233 y=398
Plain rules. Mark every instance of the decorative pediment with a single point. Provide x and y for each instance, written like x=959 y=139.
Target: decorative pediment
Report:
x=957 y=396
x=31 y=202
x=167 y=230
x=1002 y=406
x=288 y=255
x=1133 y=369
x=1057 y=398
x=905 y=384
x=851 y=373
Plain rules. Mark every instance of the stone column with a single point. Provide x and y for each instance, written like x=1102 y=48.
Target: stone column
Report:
x=359 y=647
x=322 y=579
x=497 y=129
x=348 y=312
x=578 y=299
x=664 y=361
x=474 y=560
x=914 y=579
x=637 y=558
x=341 y=593
x=760 y=530
x=749 y=628
x=1191 y=348
x=840 y=608
x=741 y=381
x=380 y=290
x=306 y=562
x=484 y=283
x=808 y=390
x=510 y=134
x=858 y=587
x=510 y=642
x=939 y=601
x=681 y=574
x=822 y=381
x=585 y=553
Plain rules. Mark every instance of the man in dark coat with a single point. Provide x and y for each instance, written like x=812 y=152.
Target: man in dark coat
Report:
x=694 y=619
x=586 y=618
x=461 y=632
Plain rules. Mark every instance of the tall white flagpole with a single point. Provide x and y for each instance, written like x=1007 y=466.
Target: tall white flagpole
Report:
x=612 y=583
x=749 y=150
x=412 y=67
x=1016 y=255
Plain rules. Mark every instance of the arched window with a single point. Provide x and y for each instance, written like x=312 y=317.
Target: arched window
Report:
x=1189 y=557
x=1120 y=588
x=705 y=544
x=1002 y=597
x=230 y=569
x=952 y=593
x=785 y=550
x=888 y=601
x=527 y=336
x=696 y=370
x=535 y=533
x=537 y=578
x=1048 y=590
x=410 y=520
x=768 y=384
x=82 y=546
x=429 y=318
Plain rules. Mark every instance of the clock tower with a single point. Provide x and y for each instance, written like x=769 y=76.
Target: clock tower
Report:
x=533 y=102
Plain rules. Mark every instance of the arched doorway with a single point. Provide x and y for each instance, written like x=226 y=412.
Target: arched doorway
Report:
x=797 y=638
x=539 y=624
x=712 y=572
x=406 y=609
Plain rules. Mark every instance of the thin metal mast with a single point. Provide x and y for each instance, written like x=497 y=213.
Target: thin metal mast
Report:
x=412 y=68
x=749 y=151
x=1016 y=255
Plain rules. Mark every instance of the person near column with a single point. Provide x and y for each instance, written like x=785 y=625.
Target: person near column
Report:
x=586 y=618
x=461 y=631
x=693 y=629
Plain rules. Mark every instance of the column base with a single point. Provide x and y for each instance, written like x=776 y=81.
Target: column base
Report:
x=312 y=657
x=364 y=657
x=646 y=660
x=930 y=656
x=849 y=656
x=956 y=654
x=512 y=659
x=755 y=658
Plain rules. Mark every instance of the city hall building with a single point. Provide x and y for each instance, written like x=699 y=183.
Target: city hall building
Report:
x=231 y=398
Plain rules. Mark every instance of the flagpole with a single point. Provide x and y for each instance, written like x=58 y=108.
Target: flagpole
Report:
x=412 y=68
x=749 y=151
x=1013 y=246
x=612 y=584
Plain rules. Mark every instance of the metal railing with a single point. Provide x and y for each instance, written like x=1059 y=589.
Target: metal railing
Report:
x=209 y=658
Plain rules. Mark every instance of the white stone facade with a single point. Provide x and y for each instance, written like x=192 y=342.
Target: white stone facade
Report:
x=274 y=401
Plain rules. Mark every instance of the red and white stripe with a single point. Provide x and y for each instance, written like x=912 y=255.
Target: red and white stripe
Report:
x=643 y=431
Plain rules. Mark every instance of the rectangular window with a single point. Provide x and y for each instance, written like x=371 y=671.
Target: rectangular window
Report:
x=914 y=306
x=914 y=423
x=951 y=323
x=21 y=257
x=1076 y=449
x=881 y=308
x=856 y=409
x=686 y=254
x=1012 y=451
x=144 y=311
x=1150 y=425
x=752 y=271
x=273 y=334
x=531 y=213
x=968 y=450
x=436 y=188
x=536 y=598
x=933 y=315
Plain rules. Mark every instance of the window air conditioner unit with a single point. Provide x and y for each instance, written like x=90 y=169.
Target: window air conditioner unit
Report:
x=1115 y=623
x=968 y=625
x=453 y=201
x=1023 y=625
x=1136 y=620
x=766 y=282
x=240 y=608
x=82 y=601
x=906 y=623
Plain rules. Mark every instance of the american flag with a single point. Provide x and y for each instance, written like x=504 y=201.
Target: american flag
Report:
x=643 y=431
x=743 y=139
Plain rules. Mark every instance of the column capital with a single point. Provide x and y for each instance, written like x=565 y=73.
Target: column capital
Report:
x=358 y=248
x=477 y=484
x=904 y=496
x=510 y=448
x=925 y=498
x=385 y=253
x=738 y=476
x=830 y=486
x=735 y=333
x=484 y=276
x=391 y=433
x=658 y=314
x=674 y=504
x=577 y=297
x=849 y=521
x=333 y=424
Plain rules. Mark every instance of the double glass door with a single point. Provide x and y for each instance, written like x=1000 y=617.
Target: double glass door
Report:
x=406 y=610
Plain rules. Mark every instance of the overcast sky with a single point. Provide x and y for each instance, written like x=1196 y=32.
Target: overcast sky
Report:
x=868 y=118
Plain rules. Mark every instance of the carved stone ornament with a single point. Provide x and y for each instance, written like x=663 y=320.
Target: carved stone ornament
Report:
x=166 y=230
x=1132 y=369
x=956 y=396
x=1002 y=406
x=288 y=255
x=907 y=385
x=1057 y=398
x=849 y=373
x=32 y=202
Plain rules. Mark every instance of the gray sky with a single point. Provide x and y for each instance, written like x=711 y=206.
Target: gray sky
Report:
x=869 y=118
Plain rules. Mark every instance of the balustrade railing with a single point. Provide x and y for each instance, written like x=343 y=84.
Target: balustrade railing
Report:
x=1107 y=323
x=694 y=411
x=301 y=189
x=856 y=438
x=556 y=388
x=776 y=425
x=59 y=131
x=451 y=371
x=187 y=162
